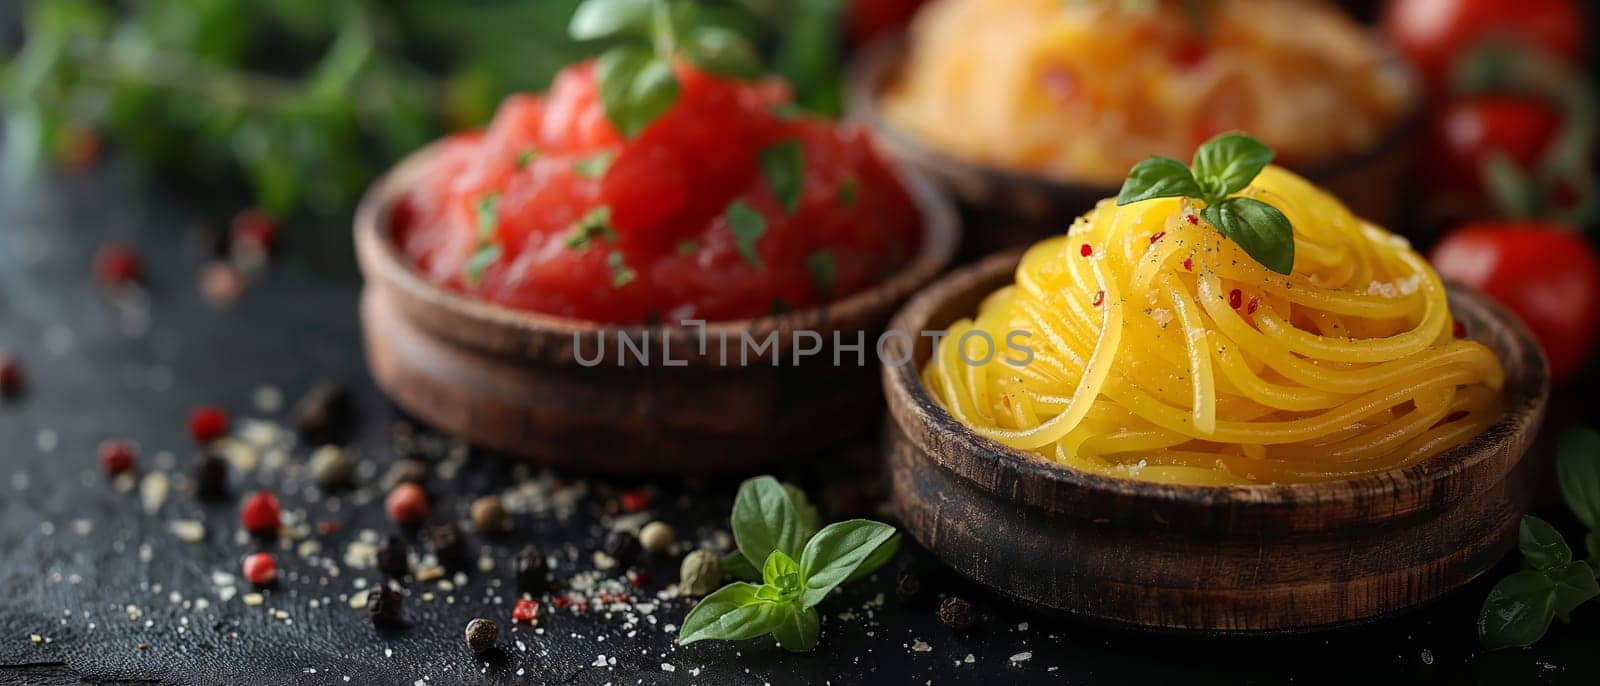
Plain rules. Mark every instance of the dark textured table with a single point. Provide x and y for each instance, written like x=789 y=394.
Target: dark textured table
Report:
x=97 y=574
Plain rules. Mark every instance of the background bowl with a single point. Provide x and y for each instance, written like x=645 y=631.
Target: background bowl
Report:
x=1006 y=208
x=510 y=379
x=1204 y=558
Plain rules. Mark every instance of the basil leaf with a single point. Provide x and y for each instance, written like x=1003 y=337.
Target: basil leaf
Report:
x=809 y=519
x=526 y=157
x=781 y=572
x=1228 y=163
x=725 y=52
x=835 y=553
x=488 y=216
x=635 y=87
x=1578 y=471
x=784 y=167
x=481 y=260
x=736 y=565
x=799 y=630
x=764 y=520
x=732 y=613
x=1518 y=610
x=621 y=273
x=1158 y=177
x=823 y=270
x=747 y=226
x=607 y=18
x=596 y=223
x=1259 y=228
x=595 y=166
x=880 y=557
x=1575 y=585
x=1542 y=546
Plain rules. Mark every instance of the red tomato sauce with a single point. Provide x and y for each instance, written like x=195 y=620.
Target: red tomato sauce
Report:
x=667 y=252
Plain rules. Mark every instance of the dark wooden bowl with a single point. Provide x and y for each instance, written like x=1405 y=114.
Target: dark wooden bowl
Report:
x=1201 y=558
x=510 y=380
x=1006 y=208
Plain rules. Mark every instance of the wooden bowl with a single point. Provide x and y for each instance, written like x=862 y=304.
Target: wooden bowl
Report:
x=1006 y=208
x=511 y=380
x=1212 y=559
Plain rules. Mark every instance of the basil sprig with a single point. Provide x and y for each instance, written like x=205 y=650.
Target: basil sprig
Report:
x=1578 y=471
x=1222 y=166
x=787 y=567
x=635 y=78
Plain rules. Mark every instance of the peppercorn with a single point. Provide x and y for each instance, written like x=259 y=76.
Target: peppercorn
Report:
x=116 y=457
x=253 y=230
x=394 y=557
x=634 y=500
x=332 y=467
x=116 y=265
x=445 y=542
x=211 y=478
x=700 y=573
x=407 y=471
x=489 y=515
x=908 y=585
x=532 y=573
x=407 y=504
x=482 y=634
x=10 y=375
x=957 y=614
x=324 y=413
x=261 y=513
x=623 y=547
x=384 y=604
x=260 y=569
x=656 y=537
x=221 y=284
x=526 y=611
x=207 y=423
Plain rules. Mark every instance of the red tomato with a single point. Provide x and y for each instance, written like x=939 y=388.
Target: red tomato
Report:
x=1544 y=273
x=868 y=19
x=1433 y=33
x=1470 y=131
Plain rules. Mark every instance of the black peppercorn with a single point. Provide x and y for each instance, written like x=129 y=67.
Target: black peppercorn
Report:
x=481 y=635
x=623 y=547
x=324 y=414
x=533 y=575
x=957 y=614
x=393 y=556
x=211 y=478
x=384 y=604
x=908 y=585
x=445 y=542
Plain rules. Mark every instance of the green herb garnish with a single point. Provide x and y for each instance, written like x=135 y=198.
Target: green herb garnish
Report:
x=594 y=225
x=784 y=167
x=1222 y=166
x=635 y=79
x=526 y=157
x=823 y=270
x=488 y=250
x=747 y=226
x=786 y=567
x=479 y=263
x=848 y=189
x=621 y=274
x=596 y=166
x=1578 y=471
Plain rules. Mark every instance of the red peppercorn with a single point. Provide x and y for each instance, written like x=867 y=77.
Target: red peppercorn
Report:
x=526 y=611
x=1188 y=264
x=1255 y=303
x=116 y=265
x=207 y=424
x=1099 y=298
x=1235 y=298
x=260 y=569
x=1085 y=250
x=254 y=229
x=10 y=374
x=328 y=527
x=261 y=513
x=561 y=601
x=1158 y=236
x=116 y=457
x=638 y=579
x=634 y=500
x=407 y=504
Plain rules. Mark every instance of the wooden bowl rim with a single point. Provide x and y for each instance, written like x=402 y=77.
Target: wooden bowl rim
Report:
x=903 y=388
x=881 y=60
x=381 y=262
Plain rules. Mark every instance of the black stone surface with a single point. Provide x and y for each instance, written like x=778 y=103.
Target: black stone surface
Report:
x=95 y=373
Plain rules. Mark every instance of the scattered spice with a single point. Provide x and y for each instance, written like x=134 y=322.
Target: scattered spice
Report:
x=117 y=265
x=526 y=611
x=407 y=504
x=116 y=457
x=10 y=375
x=406 y=471
x=332 y=467
x=325 y=413
x=1255 y=304
x=489 y=515
x=656 y=537
x=634 y=500
x=207 y=423
x=221 y=284
x=260 y=569
x=957 y=614
x=701 y=573
x=908 y=585
x=482 y=634
x=532 y=572
x=254 y=231
x=211 y=478
x=445 y=542
x=1157 y=236
x=1188 y=264
x=1085 y=250
x=1235 y=298
x=1099 y=298
x=623 y=547
x=261 y=513
x=384 y=604
x=393 y=556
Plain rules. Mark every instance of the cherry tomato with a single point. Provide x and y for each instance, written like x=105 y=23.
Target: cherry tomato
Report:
x=1433 y=33
x=1544 y=273
x=868 y=19
x=1468 y=132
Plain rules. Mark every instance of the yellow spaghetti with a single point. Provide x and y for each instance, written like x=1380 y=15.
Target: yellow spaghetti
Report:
x=1162 y=351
